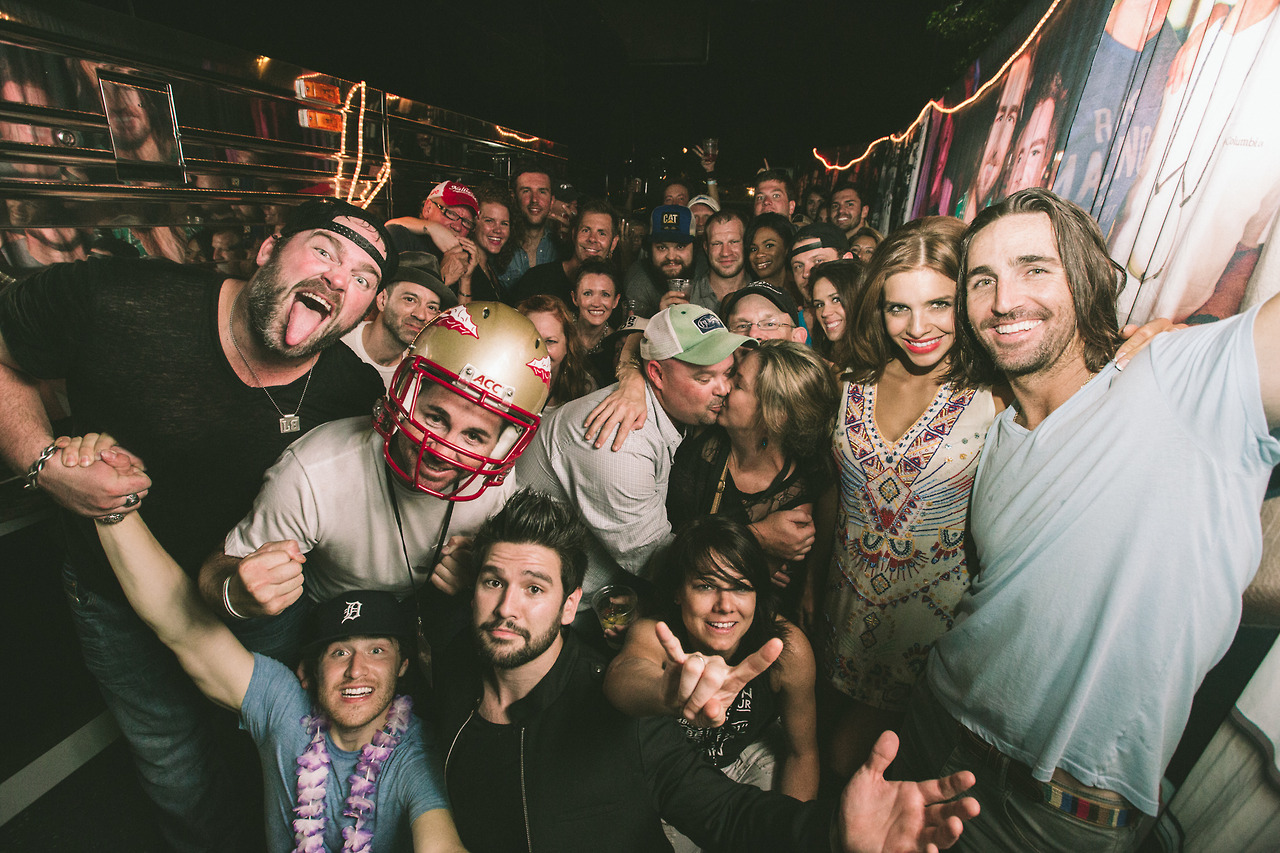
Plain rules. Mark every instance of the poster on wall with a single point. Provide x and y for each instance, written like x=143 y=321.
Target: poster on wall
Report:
x=1194 y=228
x=1155 y=116
x=1008 y=137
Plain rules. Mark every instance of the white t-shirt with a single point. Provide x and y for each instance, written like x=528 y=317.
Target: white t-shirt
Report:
x=355 y=340
x=329 y=492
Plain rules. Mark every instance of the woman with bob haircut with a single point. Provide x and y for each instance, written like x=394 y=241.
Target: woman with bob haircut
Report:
x=737 y=676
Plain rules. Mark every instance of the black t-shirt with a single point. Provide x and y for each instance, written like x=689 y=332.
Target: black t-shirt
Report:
x=484 y=287
x=544 y=278
x=137 y=342
x=484 y=767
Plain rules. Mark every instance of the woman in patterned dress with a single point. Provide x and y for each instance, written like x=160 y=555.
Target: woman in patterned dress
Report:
x=906 y=441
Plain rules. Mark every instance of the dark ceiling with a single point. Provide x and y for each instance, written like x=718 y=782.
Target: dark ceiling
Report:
x=616 y=80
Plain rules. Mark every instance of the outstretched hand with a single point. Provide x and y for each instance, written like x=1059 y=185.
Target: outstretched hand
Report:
x=880 y=816
x=701 y=688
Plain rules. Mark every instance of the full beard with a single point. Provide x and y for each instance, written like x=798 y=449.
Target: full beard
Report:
x=502 y=657
x=670 y=272
x=269 y=301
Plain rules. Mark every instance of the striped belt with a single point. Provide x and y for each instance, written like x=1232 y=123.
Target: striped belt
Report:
x=1090 y=811
x=1077 y=803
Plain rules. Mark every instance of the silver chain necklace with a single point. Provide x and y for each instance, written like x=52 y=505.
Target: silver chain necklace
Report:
x=288 y=423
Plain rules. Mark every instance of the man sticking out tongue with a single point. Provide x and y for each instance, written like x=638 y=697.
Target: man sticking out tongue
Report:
x=314 y=284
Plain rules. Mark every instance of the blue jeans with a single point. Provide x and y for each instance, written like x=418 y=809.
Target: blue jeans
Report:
x=166 y=722
x=934 y=745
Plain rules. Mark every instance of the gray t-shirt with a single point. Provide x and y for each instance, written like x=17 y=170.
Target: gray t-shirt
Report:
x=329 y=493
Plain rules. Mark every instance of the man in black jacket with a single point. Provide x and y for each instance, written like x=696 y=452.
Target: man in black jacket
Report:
x=539 y=760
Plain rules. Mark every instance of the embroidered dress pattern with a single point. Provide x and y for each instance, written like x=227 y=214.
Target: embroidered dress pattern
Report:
x=899 y=566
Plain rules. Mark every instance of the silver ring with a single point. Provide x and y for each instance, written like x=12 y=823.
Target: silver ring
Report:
x=132 y=500
x=111 y=518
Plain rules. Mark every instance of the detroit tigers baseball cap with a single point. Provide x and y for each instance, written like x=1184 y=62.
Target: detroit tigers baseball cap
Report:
x=359 y=613
x=689 y=333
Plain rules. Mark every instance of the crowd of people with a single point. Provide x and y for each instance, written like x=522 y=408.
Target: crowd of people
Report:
x=844 y=489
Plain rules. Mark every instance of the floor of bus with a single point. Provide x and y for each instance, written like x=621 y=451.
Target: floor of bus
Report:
x=93 y=801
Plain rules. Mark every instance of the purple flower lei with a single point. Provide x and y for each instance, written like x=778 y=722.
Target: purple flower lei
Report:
x=313 y=773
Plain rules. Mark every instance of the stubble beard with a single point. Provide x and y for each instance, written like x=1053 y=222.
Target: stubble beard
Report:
x=1054 y=349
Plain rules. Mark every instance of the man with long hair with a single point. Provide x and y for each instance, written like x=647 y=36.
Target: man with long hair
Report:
x=1115 y=524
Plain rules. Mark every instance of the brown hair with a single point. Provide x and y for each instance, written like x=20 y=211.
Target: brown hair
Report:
x=798 y=396
x=932 y=243
x=572 y=381
x=848 y=277
x=492 y=192
x=1094 y=279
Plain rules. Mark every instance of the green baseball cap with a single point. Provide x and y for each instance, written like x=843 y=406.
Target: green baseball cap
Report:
x=689 y=333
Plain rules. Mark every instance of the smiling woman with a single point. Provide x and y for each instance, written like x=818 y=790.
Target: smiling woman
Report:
x=738 y=677
x=768 y=242
x=899 y=567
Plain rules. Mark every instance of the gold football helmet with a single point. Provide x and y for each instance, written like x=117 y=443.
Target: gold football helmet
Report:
x=488 y=354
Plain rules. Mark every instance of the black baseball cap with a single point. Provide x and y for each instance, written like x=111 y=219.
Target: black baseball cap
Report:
x=359 y=613
x=321 y=215
x=780 y=298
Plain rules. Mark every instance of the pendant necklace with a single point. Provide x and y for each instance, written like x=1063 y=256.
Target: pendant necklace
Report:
x=288 y=423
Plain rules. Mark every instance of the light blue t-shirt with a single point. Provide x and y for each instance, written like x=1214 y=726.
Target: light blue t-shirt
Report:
x=1115 y=541
x=409 y=785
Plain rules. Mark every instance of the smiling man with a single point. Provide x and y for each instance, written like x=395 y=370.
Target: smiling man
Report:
x=175 y=360
x=534 y=197
x=540 y=760
x=1070 y=671
x=343 y=757
x=671 y=256
x=366 y=506
x=416 y=296
x=595 y=236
